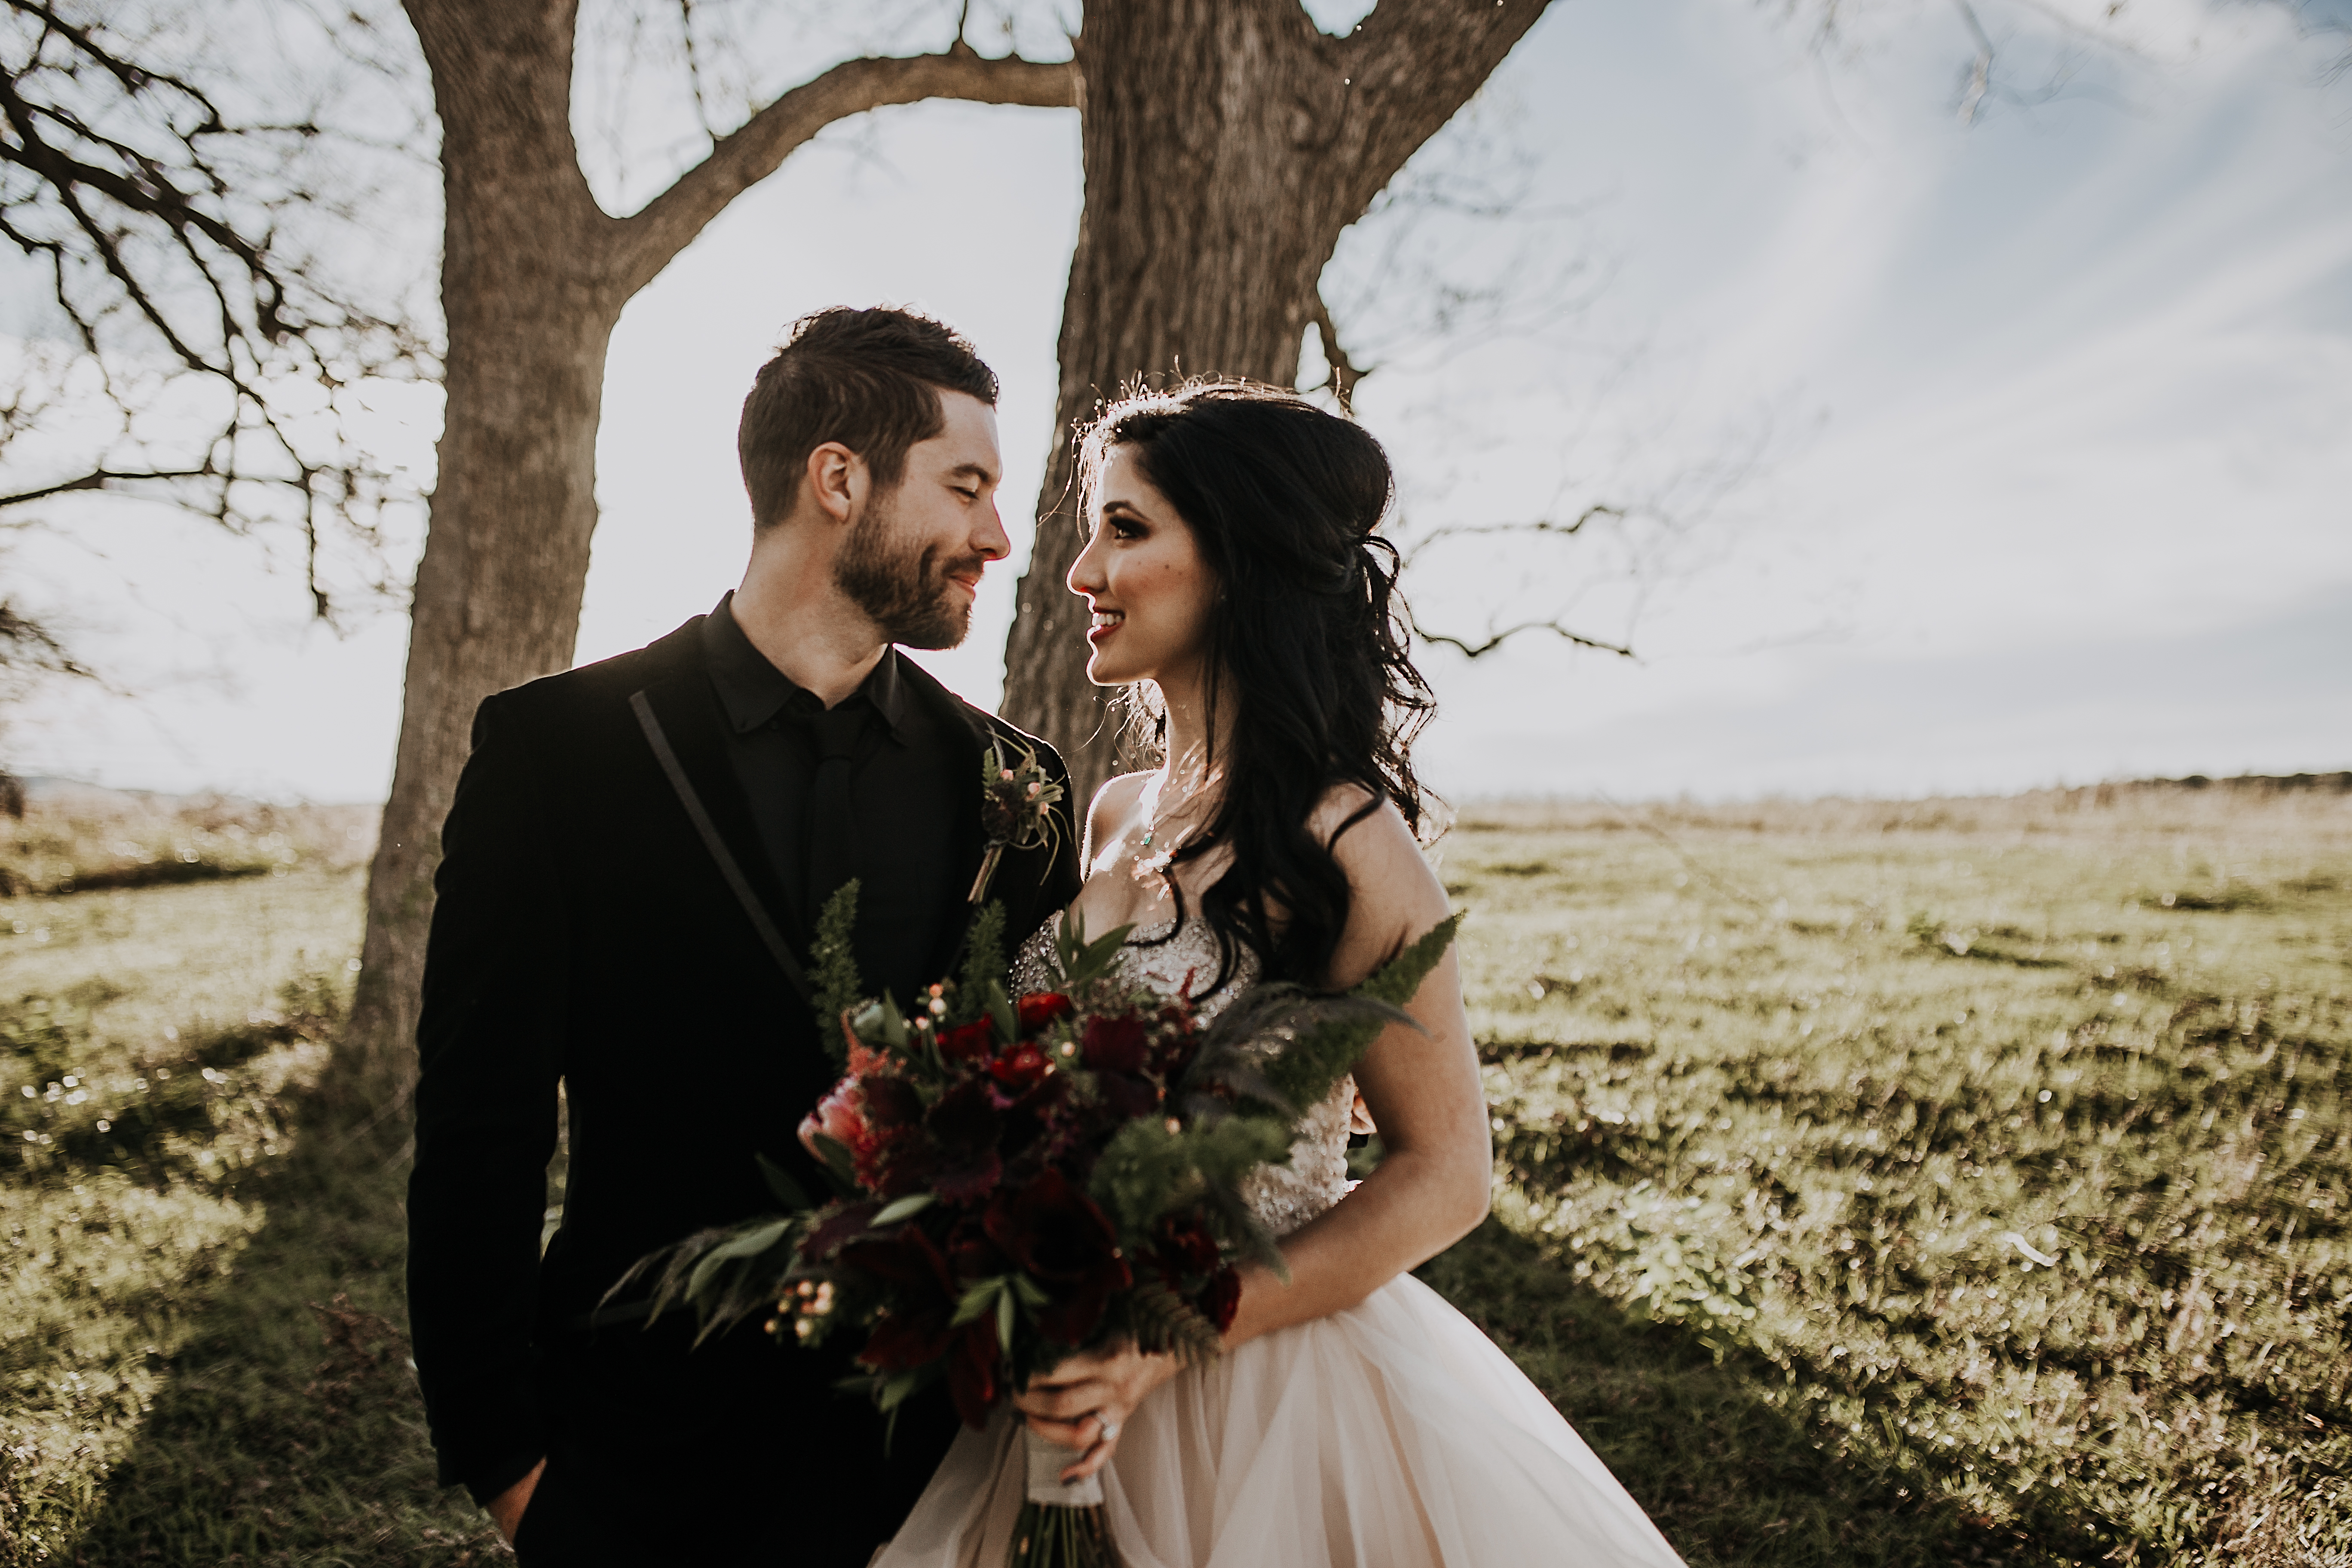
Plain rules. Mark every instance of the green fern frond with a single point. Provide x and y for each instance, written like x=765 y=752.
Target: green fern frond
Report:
x=1167 y=1324
x=983 y=962
x=834 y=964
x=1322 y=1054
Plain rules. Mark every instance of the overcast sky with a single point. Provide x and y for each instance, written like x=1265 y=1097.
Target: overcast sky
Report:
x=1963 y=456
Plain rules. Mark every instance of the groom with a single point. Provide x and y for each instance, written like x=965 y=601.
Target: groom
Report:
x=632 y=868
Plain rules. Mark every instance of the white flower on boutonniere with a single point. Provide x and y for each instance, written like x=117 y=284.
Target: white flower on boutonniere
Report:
x=1016 y=808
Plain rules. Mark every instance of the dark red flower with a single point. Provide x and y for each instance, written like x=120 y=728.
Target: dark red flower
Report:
x=1056 y=1233
x=900 y=1161
x=1128 y=1098
x=1041 y=1008
x=1021 y=1068
x=972 y=1364
x=918 y=1326
x=919 y=1323
x=1185 y=1247
x=890 y=1101
x=968 y=1042
x=965 y=1120
x=1114 y=1044
x=972 y=1180
x=971 y=1255
x=1221 y=1298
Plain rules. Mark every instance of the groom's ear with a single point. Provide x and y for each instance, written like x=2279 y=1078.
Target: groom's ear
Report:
x=835 y=482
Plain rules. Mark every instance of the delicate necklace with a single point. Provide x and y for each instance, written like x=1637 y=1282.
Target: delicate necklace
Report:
x=1148 y=865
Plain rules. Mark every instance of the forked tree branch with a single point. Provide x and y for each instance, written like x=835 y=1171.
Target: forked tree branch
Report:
x=100 y=478
x=668 y=223
x=1495 y=639
x=1343 y=374
x=1411 y=64
x=1537 y=525
x=127 y=185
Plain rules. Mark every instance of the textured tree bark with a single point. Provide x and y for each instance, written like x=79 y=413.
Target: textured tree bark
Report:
x=1226 y=144
x=533 y=277
x=497 y=600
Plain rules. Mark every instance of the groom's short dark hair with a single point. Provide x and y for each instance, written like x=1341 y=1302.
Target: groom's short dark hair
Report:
x=867 y=379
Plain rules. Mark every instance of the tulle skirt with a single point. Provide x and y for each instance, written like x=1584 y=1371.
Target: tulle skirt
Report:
x=1393 y=1434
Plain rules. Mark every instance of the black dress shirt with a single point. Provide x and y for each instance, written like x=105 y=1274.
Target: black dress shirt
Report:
x=910 y=799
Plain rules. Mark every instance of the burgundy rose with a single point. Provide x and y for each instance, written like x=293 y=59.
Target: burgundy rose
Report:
x=1020 y=1068
x=1028 y=1116
x=919 y=1328
x=970 y=1042
x=1055 y=1232
x=1042 y=1008
x=971 y=1255
x=1114 y=1045
x=916 y=1327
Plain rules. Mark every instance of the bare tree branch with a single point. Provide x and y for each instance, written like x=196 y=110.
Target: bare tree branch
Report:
x=1411 y=64
x=163 y=223
x=665 y=225
x=1343 y=374
x=1535 y=525
x=1496 y=639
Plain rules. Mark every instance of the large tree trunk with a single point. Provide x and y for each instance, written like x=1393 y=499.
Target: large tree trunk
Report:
x=533 y=276
x=1227 y=144
x=497 y=603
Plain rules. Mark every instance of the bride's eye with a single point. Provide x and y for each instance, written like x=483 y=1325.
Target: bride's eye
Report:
x=1123 y=528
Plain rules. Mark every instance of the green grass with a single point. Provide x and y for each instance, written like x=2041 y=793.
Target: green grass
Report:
x=2007 y=1165
x=1770 y=1091
x=199 y=1345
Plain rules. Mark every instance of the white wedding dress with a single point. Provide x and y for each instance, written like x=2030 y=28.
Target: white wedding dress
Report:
x=1391 y=1434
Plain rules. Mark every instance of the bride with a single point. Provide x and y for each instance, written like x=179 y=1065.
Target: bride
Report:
x=1355 y=1418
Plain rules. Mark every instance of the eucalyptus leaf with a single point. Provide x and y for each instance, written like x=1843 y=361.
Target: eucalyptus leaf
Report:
x=837 y=1160
x=977 y=1301
x=906 y=1207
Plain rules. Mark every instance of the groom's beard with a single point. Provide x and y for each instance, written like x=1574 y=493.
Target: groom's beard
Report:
x=903 y=589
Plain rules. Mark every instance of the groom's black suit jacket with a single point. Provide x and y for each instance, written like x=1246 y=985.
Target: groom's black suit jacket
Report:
x=584 y=935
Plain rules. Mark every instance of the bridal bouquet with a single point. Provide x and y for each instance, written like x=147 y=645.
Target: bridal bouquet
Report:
x=1024 y=1177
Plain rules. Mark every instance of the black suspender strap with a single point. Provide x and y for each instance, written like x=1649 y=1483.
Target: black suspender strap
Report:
x=775 y=939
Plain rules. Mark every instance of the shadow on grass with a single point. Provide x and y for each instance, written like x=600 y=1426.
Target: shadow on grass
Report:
x=1729 y=1476
x=288 y=1429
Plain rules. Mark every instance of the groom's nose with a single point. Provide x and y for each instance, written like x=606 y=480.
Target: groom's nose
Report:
x=990 y=541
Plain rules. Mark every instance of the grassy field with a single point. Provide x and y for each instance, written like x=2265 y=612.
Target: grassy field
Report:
x=1951 y=1183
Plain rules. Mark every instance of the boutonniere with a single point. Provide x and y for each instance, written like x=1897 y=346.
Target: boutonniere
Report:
x=1016 y=808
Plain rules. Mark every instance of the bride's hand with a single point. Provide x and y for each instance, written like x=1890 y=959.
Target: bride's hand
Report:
x=1083 y=1402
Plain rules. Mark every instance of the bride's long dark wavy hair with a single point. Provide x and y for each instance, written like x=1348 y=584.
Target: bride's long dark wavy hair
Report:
x=1309 y=656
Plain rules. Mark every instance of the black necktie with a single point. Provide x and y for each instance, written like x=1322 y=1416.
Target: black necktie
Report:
x=832 y=828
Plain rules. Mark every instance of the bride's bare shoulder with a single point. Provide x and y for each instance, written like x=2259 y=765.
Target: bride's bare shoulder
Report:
x=1113 y=809
x=1395 y=888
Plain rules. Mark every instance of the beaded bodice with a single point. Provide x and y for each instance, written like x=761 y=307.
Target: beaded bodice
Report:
x=1170 y=959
